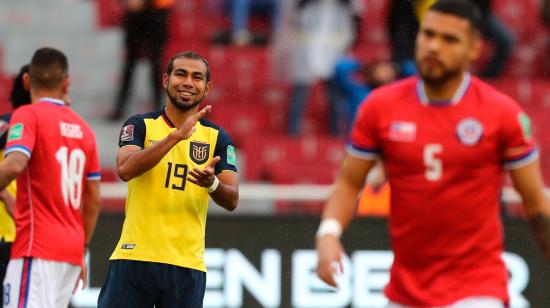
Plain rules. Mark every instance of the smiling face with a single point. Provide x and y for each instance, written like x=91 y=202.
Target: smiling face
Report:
x=186 y=86
x=445 y=46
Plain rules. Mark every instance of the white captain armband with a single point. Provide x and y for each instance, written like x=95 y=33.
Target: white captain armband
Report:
x=214 y=185
x=329 y=226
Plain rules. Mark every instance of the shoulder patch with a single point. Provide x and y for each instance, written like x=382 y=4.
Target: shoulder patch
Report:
x=16 y=132
x=231 y=155
x=127 y=133
x=525 y=124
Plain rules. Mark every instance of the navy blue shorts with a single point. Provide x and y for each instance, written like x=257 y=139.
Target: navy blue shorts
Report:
x=135 y=284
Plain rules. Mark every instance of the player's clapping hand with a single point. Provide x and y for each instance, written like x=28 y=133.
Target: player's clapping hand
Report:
x=329 y=251
x=188 y=127
x=204 y=177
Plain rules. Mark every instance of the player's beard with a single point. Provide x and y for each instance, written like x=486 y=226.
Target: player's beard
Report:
x=435 y=80
x=182 y=106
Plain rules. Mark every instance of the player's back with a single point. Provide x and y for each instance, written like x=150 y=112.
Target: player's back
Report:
x=62 y=152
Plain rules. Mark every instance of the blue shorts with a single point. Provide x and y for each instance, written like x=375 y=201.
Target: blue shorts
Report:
x=135 y=284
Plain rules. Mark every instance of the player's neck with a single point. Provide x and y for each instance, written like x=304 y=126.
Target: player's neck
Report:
x=178 y=116
x=444 y=91
x=37 y=94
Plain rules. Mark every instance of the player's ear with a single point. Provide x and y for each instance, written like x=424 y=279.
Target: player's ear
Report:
x=65 y=86
x=26 y=81
x=476 y=46
x=207 y=88
x=165 y=79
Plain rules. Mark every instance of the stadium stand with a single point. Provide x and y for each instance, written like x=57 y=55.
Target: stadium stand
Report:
x=251 y=103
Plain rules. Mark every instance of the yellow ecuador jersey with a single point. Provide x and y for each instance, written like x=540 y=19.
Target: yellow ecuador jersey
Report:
x=166 y=214
x=7 y=225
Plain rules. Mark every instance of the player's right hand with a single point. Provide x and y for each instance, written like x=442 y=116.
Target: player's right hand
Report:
x=329 y=253
x=188 y=127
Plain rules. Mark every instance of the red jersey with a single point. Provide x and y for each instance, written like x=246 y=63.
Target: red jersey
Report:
x=63 y=155
x=444 y=162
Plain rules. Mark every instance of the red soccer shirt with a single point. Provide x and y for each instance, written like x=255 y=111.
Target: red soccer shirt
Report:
x=63 y=155
x=444 y=161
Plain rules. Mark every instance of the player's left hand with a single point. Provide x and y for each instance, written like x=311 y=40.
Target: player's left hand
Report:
x=83 y=276
x=204 y=177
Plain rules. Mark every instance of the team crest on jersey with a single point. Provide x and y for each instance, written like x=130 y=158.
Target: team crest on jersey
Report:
x=4 y=126
x=127 y=133
x=469 y=131
x=199 y=152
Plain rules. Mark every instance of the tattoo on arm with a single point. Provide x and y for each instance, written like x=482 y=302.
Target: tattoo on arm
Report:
x=540 y=224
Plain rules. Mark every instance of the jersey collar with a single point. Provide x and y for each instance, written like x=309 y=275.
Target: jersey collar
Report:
x=166 y=119
x=51 y=101
x=457 y=97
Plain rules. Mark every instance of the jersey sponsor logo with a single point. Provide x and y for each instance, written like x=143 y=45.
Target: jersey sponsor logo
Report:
x=231 y=155
x=4 y=126
x=127 y=133
x=16 y=132
x=469 y=131
x=128 y=246
x=70 y=130
x=525 y=124
x=403 y=131
x=199 y=152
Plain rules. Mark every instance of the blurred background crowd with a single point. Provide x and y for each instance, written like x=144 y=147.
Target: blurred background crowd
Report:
x=288 y=75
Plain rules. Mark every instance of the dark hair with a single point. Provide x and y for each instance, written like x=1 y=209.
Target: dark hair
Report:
x=460 y=8
x=188 y=55
x=48 y=68
x=20 y=96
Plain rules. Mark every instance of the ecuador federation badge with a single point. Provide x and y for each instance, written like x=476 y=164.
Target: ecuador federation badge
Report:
x=199 y=151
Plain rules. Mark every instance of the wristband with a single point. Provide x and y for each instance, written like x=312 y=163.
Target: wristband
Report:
x=214 y=185
x=329 y=226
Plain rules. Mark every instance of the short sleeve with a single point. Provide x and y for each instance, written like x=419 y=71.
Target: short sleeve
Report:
x=132 y=132
x=517 y=144
x=225 y=149
x=22 y=132
x=93 y=169
x=363 y=139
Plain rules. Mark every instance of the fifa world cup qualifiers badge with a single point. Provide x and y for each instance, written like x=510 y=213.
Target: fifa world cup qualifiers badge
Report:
x=16 y=132
x=525 y=124
x=231 y=155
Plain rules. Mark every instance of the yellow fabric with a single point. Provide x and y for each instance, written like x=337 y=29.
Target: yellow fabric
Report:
x=7 y=225
x=421 y=7
x=164 y=224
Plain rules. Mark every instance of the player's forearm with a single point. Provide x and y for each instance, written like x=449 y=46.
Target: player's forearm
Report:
x=540 y=225
x=11 y=167
x=136 y=163
x=90 y=209
x=226 y=196
x=341 y=204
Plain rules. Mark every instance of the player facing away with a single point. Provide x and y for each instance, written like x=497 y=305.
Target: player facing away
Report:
x=52 y=152
x=19 y=96
x=445 y=138
x=173 y=160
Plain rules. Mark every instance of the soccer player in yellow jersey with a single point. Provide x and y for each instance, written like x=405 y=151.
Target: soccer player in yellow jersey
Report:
x=173 y=160
x=19 y=96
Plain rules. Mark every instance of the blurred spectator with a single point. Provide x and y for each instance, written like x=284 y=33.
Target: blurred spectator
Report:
x=354 y=81
x=498 y=34
x=321 y=32
x=146 y=30
x=240 y=12
x=402 y=28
